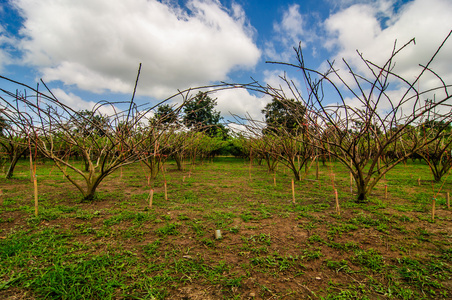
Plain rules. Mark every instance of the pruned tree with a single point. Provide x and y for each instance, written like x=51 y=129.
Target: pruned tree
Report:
x=437 y=154
x=384 y=119
x=13 y=142
x=106 y=143
x=275 y=143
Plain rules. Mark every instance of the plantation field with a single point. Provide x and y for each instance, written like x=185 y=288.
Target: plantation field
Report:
x=116 y=247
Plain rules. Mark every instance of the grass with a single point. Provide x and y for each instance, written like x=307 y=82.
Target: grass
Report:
x=118 y=248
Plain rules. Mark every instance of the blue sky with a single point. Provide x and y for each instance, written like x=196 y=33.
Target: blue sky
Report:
x=89 y=50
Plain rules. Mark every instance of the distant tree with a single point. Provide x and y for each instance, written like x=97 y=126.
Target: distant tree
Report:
x=2 y=125
x=13 y=142
x=165 y=115
x=88 y=122
x=436 y=154
x=283 y=115
x=200 y=116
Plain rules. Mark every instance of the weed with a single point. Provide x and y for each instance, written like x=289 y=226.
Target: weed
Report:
x=151 y=248
x=370 y=259
x=338 y=265
x=168 y=229
x=312 y=253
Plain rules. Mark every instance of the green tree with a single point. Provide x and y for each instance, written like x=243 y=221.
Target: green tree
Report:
x=200 y=116
x=165 y=116
x=283 y=115
x=87 y=123
x=2 y=125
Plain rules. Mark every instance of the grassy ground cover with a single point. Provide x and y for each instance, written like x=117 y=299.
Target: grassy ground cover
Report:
x=118 y=248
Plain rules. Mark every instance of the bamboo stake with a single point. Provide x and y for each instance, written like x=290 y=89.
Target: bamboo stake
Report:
x=433 y=208
x=35 y=184
x=448 y=200
x=31 y=166
x=166 y=191
x=293 y=192
x=151 y=196
x=338 y=209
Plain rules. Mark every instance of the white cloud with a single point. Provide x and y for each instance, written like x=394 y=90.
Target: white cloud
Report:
x=373 y=28
x=98 y=44
x=275 y=79
x=241 y=103
x=289 y=33
x=76 y=103
x=6 y=43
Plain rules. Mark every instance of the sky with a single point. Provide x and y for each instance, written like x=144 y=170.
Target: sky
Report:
x=89 y=50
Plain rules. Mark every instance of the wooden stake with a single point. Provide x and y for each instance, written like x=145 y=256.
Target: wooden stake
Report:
x=293 y=192
x=31 y=167
x=151 y=196
x=448 y=200
x=433 y=208
x=274 y=179
x=338 y=209
x=419 y=181
x=35 y=183
x=1 y=197
x=183 y=179
x=166 y=191
x=386 y=192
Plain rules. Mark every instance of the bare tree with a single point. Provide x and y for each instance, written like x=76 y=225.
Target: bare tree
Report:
x=13 y=141
x=359 y=133
x=105 y=142
x=438 y=153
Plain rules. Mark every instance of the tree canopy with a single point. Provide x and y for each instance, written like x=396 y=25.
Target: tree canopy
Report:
x=200 y=116
x=283 y=115
x=165 y=115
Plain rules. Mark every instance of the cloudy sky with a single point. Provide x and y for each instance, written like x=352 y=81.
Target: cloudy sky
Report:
x=89 y=50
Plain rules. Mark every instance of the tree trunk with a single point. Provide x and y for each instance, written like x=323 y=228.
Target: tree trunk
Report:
x=362 y=191
x=12 y=165
x=178 y=160
x=13 y=161
x=91 y=187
